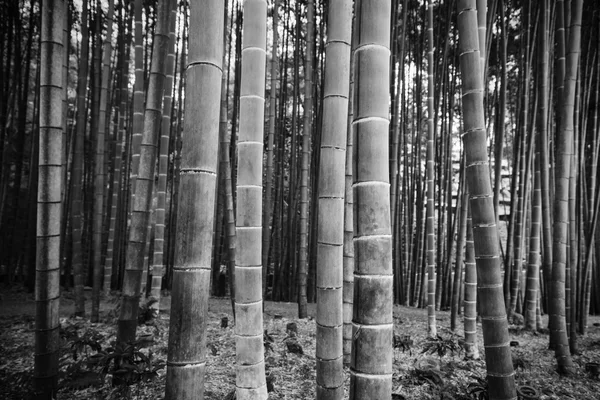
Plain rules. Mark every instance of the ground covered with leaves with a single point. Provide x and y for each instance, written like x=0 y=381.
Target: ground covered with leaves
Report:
x=423 y=368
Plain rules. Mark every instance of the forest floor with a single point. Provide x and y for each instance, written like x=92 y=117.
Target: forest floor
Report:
x=418 y=374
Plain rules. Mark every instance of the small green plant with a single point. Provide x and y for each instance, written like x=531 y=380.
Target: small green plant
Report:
x=431 y=376
x=403 y=343
x=478 y=390
x=442 y=346
x=126 y=364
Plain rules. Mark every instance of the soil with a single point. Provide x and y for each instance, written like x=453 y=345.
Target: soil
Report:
x=418 y=373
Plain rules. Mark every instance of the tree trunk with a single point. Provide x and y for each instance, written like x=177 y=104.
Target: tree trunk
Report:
x=431 y=270
x=142 y=197
x=304 y=166
x=186 y=360
x=564 y=149
x=99 y=173
x=485 y=232
x=250 y=376
x=47 y=279
x=371 y=364
x=77 y=176
x=158 y=261
x=330 y=231
x=470 y=297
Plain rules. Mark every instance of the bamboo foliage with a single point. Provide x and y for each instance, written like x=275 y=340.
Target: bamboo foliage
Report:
x=250 y=376
x=186 y=362
x=49 y=201
x=330 y=231
x=485 y=232
x=371 y=361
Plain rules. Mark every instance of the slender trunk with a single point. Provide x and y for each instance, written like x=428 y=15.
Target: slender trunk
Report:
x=158 y=261
x=304 y=166
x=431 y=270
x=99 y=173
x=464 y=205
x=533 y=268
x=268 y=207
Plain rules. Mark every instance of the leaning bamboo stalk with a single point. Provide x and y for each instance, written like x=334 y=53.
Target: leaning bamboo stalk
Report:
x=500 y=373
x=142 y=196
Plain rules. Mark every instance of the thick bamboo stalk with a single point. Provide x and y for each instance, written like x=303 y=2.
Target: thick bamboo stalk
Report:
x=250 y=375
x=330 y=230
x=49 y=201
x=500 y=373
x=186 y=362
x=563 y=155
x=371 y=364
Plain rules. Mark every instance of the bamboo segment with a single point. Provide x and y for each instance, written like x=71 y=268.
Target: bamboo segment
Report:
x=485 y=232
x=186 y=362
x=330 y=231
x=470 y=300
x=250 y=377
x=371 y=362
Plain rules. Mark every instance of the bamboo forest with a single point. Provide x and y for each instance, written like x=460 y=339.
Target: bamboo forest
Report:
x=299 y=199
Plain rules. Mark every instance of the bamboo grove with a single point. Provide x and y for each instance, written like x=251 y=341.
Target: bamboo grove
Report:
x=433 y=154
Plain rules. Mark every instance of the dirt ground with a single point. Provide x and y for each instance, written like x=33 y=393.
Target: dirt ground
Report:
x=292 y=375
